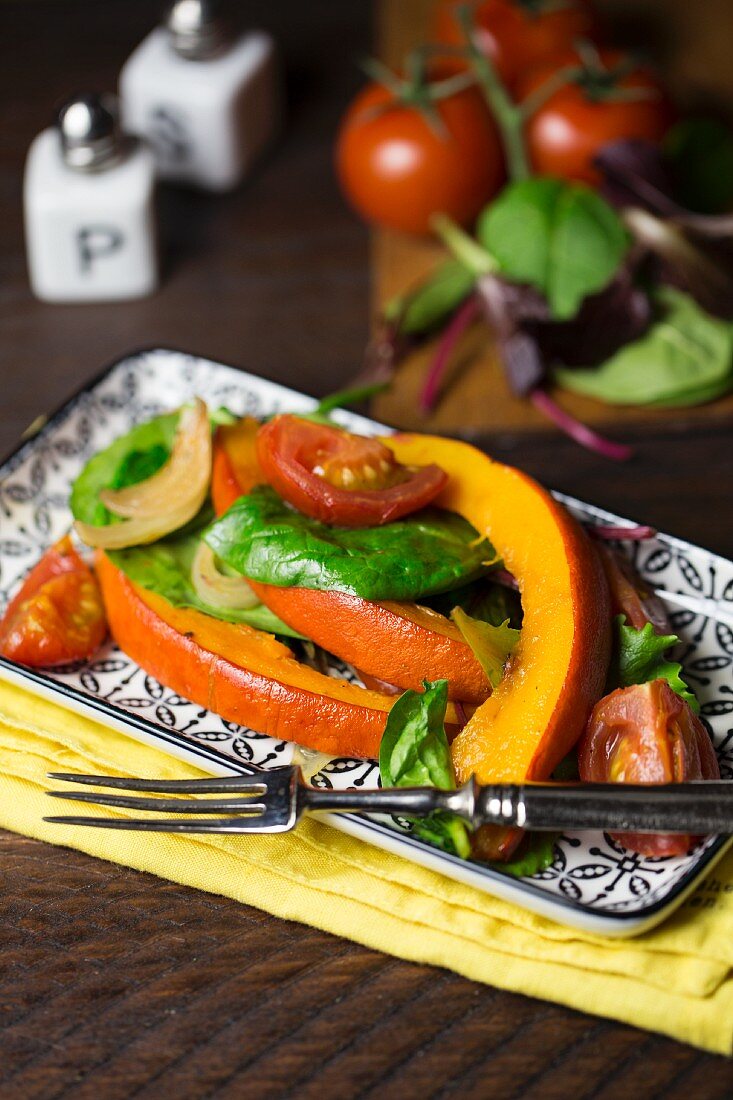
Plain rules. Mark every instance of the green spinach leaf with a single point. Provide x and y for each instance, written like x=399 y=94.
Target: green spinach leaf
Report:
x=491 y=645
x=562 y=238
x=264 y=539
x=431 y=302
x=414 y=748
x=139 y=465
x=164 y=567
x=414 y=752
x=685 y=358
x=640 y=657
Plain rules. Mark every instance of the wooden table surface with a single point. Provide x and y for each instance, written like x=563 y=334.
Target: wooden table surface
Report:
x=113 y=983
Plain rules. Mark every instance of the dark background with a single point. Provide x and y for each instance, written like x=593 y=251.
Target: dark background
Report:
x=111 y=982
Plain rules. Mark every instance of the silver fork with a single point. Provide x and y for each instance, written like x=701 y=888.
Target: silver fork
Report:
x=273 y=801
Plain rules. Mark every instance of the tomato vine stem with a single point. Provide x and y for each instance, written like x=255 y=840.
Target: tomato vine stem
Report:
x=508 y=115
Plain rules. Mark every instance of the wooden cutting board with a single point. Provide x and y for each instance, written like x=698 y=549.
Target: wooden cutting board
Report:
x=475 y=398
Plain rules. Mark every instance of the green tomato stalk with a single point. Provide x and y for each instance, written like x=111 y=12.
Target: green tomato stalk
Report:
x=509 y=116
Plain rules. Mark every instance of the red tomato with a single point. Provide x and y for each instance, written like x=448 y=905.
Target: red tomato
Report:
x=57 y=616
x=565 y=133
x=397 y=169
x=340 y=478
x=630 y=594
x=518 y=35
x=647 y=734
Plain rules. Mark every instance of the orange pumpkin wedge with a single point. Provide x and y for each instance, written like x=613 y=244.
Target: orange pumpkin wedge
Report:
x=244 y=675
x=401 y=643
x=235 y=469
x=557 y=673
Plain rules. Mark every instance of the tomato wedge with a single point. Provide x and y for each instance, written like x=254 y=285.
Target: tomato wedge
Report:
x=58 y=615
x=337 y=477
x=647 y=734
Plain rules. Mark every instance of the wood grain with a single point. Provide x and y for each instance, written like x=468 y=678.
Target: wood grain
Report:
x=115 y=984
x=475 y=397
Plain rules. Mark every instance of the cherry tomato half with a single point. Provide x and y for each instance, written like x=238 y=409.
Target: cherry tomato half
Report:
x=58 y=615
x=340 y=478
x=397 y=168
x=647 y=734
x=569 y=129
x=517 y=34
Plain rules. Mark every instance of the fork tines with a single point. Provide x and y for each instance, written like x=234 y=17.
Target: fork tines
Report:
x=225 y=784
x=241 y=805
x=244 y=812
x=248 y=812
x=172 y=825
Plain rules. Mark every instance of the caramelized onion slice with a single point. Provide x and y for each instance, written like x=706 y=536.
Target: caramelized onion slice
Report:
x=309 y=760
x=132 y=532
x=166 y=501
x=216 y=589
x=184 y=477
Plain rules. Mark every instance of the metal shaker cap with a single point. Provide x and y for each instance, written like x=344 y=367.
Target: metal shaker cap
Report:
x=89 y=127
x=196 y=29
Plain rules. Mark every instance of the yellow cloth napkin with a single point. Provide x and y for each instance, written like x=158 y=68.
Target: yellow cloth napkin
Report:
x=676 y=979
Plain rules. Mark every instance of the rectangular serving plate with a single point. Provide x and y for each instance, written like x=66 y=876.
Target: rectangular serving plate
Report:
x=593 y=884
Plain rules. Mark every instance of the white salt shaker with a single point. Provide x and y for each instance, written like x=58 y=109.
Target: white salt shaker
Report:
x=208 y=103
x=89 y=208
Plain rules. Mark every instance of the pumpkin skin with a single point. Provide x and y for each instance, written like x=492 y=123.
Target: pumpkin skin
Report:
x=558 y=670
x=243 y=674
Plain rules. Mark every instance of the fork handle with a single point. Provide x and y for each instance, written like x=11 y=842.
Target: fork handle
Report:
x=407 y=801
x=695 y=808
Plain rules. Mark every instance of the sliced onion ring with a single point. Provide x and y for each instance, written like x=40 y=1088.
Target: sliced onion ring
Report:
x=167 y=500
x=214 y=588
x=185 y=475
x=309 y=760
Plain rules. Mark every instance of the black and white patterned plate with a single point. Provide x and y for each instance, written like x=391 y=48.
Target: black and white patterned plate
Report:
x=593 y=883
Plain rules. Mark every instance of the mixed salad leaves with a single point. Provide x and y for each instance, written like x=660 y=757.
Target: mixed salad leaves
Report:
x=427 y=580
x=587 y=225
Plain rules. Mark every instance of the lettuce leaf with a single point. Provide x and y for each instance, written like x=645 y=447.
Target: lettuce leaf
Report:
x=640 y=657
x=685 y=358
x=491 y=645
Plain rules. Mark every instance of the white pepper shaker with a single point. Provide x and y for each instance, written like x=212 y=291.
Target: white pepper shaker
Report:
x=89 y=208
x=207 y=102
